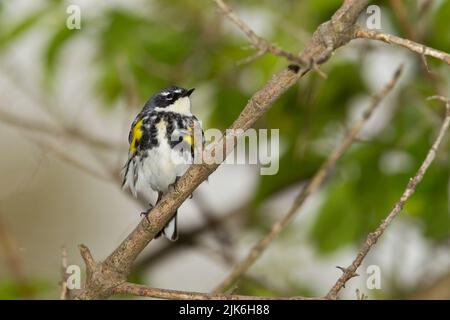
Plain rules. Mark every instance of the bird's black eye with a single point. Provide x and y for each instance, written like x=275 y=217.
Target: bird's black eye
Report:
x=169 y=96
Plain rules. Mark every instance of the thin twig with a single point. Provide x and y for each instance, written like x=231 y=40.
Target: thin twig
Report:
x=64 y=294
x=144 y=291
x=317 y=180
x=73 y=161
x=401 y=13
x=13 y=261
x=411 y=45
x=257 y=42
x=50 y=131
x=373 y=237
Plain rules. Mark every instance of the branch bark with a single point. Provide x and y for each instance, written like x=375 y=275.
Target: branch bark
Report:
x=143 y=291
x=105 y=276
x=408 y=44
x=373 y=237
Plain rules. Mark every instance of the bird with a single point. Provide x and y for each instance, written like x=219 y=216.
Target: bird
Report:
x=161 y=147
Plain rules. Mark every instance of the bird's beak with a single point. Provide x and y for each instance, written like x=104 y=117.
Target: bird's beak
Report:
x=189 y=92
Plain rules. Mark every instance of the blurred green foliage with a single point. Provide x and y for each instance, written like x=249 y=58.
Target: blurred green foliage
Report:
x=187 y=43
x=11 y=290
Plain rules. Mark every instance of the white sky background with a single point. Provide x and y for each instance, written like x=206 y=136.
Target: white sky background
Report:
x=47 y=203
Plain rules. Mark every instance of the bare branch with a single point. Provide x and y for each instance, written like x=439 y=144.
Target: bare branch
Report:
x=143 y=291
x=75 y=162
x=373 y=237
x=310 y=188
x=87 y=257
x=257 y=42
x=411 y=45
x=13 y=261
x=401 y=13
x=64 y=290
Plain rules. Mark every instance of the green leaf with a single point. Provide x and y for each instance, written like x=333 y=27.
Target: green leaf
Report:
x=10 y=290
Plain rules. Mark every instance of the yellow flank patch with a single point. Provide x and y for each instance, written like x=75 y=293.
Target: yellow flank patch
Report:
x=136 y=135
x=190 y=137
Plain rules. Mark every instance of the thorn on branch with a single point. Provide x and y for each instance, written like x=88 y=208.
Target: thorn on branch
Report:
x=87 y=258
x=345 y=270
x=251 y=58
x=319 y=71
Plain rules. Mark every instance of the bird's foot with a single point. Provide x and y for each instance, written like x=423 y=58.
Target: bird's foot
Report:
x=146 y=213
x=172 y=186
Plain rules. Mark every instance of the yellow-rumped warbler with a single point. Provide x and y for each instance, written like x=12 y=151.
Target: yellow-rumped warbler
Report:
x=161 y=146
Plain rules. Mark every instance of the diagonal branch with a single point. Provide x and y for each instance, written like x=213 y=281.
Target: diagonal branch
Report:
x=411 y=45
x=373 y=237
x=115 y=269
x=317 y=180
x=143 y=291
x=14 y=263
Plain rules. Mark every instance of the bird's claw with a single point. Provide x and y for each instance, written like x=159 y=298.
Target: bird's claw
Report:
x=146 y=213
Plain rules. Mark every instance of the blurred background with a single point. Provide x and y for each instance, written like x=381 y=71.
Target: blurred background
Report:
x=68 y=97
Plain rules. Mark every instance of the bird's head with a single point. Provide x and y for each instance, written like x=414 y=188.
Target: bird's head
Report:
x=173 y=99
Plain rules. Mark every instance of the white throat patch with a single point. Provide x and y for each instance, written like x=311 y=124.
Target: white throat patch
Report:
x=182 y=106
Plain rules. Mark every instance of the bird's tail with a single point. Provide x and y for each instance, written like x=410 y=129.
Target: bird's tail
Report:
x=170 y=231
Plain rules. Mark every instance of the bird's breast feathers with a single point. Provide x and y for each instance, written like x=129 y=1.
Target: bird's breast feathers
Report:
x=160 y=150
